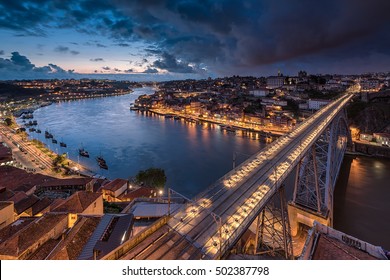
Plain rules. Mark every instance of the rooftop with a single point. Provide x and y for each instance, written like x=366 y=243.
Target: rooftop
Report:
x=140 y=192
x=6 y=194
x=66 y=182
x=25 y=204
x=115 y=185
x=41 y=205
x=12 y=177
x=76 y=239
x=77 y=202
x=20 y=240
x=329 y=248
x=326 y=243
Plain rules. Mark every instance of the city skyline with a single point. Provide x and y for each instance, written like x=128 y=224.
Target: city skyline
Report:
x=165 y=40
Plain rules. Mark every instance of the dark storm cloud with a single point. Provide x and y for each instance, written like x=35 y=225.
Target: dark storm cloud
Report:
x=224 y=35
x=150 y=70
x=255 y=33
x=19 y=66
x=170 y=63
x=96 y=59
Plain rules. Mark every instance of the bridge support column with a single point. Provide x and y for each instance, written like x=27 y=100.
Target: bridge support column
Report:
x=273 y=234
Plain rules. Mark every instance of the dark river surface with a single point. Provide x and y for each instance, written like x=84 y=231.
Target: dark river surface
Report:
x=194 y=156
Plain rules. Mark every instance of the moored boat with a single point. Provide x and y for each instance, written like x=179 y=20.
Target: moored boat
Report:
x=83 y=152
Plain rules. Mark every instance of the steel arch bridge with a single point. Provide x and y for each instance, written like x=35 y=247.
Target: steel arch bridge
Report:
x=209 y=225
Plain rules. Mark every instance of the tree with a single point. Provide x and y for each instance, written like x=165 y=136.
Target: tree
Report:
x=152 y=177
x=8 y=121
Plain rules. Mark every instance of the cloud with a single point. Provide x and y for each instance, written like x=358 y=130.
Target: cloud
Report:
x=128 y=70
x=123 y=45
x=227 y=36
x=117 y=70
x=101 y=45
x=170 y=63
x=106 y=68
x=20 y=67
x=150 y=70
x=1 y=52
x=96 y=59
x=61 y=49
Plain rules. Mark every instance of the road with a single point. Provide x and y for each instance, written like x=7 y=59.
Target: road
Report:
x=28 y=156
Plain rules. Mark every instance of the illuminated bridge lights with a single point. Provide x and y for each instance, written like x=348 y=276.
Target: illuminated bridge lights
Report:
x=205 y=202
x=227 y=183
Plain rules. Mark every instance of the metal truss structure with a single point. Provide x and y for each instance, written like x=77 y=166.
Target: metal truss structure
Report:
x=317 y=171
x=273 y=234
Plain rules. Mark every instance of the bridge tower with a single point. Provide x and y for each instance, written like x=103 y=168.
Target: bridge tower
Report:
x=316 y=175
x=273 y=234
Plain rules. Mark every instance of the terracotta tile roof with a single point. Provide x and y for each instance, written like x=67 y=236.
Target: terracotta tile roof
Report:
x=21 y=240
x=140 y=192
x=24 y=188
x=13 y=228
x=18 y=197
x=25 y=204
x=12 y=177
x=56 y=202
x=77 y=202
x=115 y=185
x=76 y=239
x=6 y=194
x=41 y=205
x=329 y=248
x=44 y=250
x=66 y=182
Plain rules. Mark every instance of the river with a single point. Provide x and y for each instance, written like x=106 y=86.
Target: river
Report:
x=193 y=156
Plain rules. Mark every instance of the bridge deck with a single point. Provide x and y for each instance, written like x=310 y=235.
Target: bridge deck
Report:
x=213 y=221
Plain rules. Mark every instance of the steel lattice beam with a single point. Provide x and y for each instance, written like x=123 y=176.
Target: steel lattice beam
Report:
x=318 y=170
x=273 y=235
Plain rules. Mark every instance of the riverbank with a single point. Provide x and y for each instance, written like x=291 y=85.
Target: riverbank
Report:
x=225 y=125
x=369 y=150
x=34 y=156
x=32 y=107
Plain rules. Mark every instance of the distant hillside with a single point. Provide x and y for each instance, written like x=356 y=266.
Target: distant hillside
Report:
x=370 y=117
x=17 y=92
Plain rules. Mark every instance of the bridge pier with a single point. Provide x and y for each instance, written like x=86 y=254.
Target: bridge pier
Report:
x=299 y=215
x=273 y=234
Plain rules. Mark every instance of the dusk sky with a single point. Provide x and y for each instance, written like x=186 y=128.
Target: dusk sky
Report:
x=168 y=39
